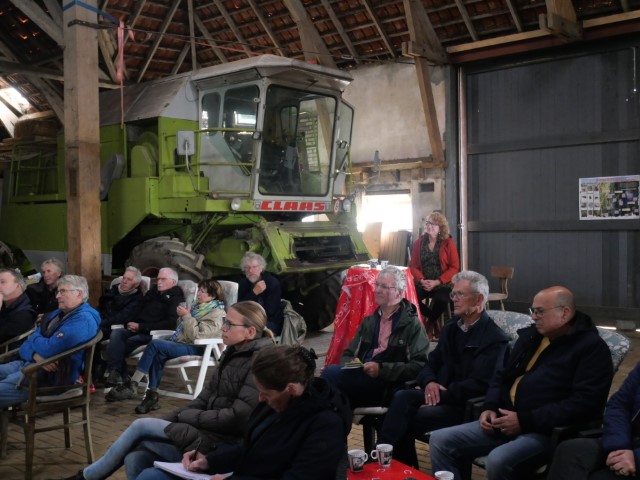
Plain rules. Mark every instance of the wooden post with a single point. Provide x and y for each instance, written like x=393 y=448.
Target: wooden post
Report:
x=82 y=145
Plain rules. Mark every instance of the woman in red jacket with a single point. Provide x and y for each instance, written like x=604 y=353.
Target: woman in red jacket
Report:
x=434 y=261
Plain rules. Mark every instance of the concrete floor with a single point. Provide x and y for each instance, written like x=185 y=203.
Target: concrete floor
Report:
x=53 y=461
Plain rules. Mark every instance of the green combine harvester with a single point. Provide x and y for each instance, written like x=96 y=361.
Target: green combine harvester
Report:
x=246 y=156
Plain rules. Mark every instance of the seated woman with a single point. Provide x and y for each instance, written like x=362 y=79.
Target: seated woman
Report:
x=216 y=417
x=434 y=262
x=298 y=431
x=204 y=321
x=617 y=453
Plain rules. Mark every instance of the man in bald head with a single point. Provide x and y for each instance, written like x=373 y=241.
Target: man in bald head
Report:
x=558 y=373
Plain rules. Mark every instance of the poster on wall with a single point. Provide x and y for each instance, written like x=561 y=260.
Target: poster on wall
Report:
x=609 y=198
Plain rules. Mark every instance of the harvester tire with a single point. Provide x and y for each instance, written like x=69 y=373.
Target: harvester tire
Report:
x=318 y=307
x=153 y=254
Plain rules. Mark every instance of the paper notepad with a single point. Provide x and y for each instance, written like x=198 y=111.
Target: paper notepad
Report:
x=176 y=468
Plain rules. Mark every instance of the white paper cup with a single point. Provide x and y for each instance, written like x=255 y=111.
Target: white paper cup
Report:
x=443 y=475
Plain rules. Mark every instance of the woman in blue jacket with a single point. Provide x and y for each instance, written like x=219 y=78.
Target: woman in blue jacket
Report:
x=614 y=455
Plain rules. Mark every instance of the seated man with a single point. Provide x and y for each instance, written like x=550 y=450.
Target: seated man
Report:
x=391 y=343
x=470 y=349
x=558 y=373
x=16 y=315
x=73 y=323
x=262 y=287
x=156 y=311
x=43 y=294
x=116 y=306
x=617 y=452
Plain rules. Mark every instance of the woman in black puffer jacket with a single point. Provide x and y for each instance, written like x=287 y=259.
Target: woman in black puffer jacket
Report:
x=217 y=416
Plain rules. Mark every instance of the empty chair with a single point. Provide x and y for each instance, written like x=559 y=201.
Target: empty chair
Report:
x=503 y=274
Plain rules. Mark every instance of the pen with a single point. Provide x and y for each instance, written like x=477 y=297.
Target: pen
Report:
x=195 y=452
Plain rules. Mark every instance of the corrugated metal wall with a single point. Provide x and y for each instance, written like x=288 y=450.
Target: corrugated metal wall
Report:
x=534 y=128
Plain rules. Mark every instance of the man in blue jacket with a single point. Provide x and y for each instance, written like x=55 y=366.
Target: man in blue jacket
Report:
x=73 y=323
x=558 y=373
x=461 y=366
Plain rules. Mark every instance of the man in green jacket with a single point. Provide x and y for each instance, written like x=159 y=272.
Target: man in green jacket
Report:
x=389 y=348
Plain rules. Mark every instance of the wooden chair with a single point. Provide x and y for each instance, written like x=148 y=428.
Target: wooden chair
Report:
x=503 y=274
x=49 y=400
x=4 y=346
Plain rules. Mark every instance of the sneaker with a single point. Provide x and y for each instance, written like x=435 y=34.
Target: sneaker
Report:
x=113 y=378
x=149 y=402
x=122 y=392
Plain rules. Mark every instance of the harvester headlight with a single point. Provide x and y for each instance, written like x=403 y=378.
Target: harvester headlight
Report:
x=236 y=203
x=346 y=205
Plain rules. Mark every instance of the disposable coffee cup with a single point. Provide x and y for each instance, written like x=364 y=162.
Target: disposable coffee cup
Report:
x=357 y=459
x=383 y=453
x=443 y=475
x=373 y=263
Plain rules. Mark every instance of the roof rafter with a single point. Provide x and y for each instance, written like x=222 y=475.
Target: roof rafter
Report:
x=341 y=31
x=372 y=15
x=314 y=48
x=232 y=25
x=266 y=27
x=210 y=40
x=467 y=20
x=561 y=20
x=42 y=19
x=159 y=35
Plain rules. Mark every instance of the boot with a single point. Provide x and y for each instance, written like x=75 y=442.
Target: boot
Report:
x=149 y=402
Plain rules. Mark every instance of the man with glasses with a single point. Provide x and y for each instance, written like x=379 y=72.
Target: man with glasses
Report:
x=156 y=311
x=261 y=287
x=461 y=366
x=558 y=373
x=74 y=322
x=389 y=347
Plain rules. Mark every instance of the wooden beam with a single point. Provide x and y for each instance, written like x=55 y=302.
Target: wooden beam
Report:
x=55 y=11
x=82 y=147
x=314 y=48
x=467 y=20
x=178 y=63
x=265 y=25
x=108 y=52
x=514 y=15
x=374 y=18
x=232 y=25
x=212 y=43
x=8 y=116
x=38 y=16
x=156 y=43
x=561 y=20
x=421 y=35
x=423 y=41
x=341 y=31
x=192 y=37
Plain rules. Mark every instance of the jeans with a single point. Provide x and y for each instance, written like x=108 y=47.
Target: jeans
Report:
x=454 y=448
x=10 y=375
x=121 y=343
x=407 y=419
x=360 y=388
x=142 y=435
x=157 y=353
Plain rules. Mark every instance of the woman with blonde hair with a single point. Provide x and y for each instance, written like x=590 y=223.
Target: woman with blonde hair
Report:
x=216 y=417
x=434 y=262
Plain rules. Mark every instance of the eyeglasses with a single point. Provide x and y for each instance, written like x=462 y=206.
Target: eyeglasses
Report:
x=65 y=292
x=226 y=324
x=454 y=294
x=539 y=312
x=384 y=287
x=433 y=224
x=163 y=278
